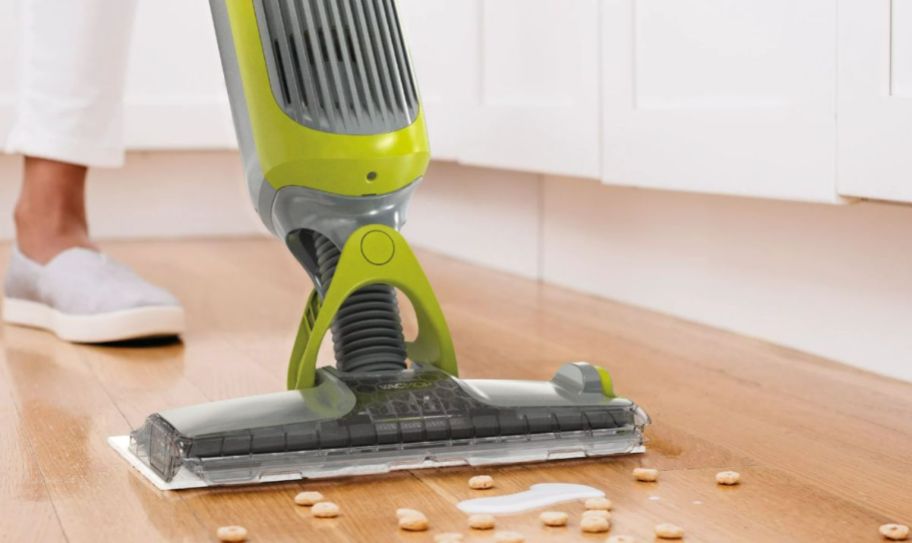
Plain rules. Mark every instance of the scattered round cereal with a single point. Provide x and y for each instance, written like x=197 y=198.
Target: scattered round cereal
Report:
x=646 y=475
x=509 y=537
x=481 y=521
x=405 y=511
x=481 y=482
x=621 y=539
x=554 y=518
x=602 y=504
x=413 y=523
x=448 y=537
x=231 y=533
x=597 y=513
x=325 y=510
x=594 y=524
x=669 y=531
x=895 y=532
x=728 y=478
x=308 y=498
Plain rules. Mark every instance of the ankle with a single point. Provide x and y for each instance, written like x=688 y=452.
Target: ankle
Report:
x=43 y=249
x=41 y=234
x=50 y=215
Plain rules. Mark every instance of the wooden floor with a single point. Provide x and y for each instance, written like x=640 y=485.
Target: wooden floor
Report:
x=825 y=451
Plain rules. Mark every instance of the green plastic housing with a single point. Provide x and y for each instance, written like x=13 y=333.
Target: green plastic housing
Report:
x=374 y=254
x=291 y=154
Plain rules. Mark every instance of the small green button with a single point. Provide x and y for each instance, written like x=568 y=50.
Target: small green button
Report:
x=377 y=247
x=607 y=384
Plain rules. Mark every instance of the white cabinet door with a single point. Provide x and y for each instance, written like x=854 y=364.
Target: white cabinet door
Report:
x=875 y=99
x=721 y=96
x=537 y=99
x=176 y=96
x=444 y=39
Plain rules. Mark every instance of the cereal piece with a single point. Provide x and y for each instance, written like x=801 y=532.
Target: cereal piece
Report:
x=594 y=524
x=509 y=537
x=554 y=518
x=669 y=531
x=646 y=475
x=597 y=513
x=308 y=498
x=413 y=523
x=603 y=504
x=448 y=537
x=404 y=512
x=325 y=510
x=895 y=532
x=621 y=539
x=728 y=478
x=231 y=533
x=481 y=521
x=481 y=482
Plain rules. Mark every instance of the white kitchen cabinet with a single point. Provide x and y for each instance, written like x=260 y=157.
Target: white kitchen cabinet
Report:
x=509 y=84
x=176 y=96
x=538 y=94
x=715 y=96
x=875 y=99
x=719 y=96
x=444 y=40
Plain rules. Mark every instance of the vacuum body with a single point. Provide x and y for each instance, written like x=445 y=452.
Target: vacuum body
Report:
x=333 y=139
x=325 y=104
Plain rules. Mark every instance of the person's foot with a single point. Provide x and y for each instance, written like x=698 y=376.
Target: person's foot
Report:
x=86 y=297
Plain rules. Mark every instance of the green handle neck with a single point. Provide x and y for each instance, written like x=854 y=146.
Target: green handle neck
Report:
x=374 y=254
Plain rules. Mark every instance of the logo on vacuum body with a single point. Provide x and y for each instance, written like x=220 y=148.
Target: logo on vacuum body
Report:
x=402 y=385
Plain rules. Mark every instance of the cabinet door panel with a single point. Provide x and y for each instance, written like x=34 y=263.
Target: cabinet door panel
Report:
x=875 y=99
x=538 y=98
x=719 y=96
x=175 y=97
x=444 y=38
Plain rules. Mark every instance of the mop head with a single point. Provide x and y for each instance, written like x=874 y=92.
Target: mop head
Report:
x=356 y=424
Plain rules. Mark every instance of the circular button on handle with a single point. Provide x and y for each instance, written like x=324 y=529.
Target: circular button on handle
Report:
x=377 y=247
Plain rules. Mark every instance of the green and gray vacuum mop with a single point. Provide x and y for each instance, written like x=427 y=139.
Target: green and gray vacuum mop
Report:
x=334 y=144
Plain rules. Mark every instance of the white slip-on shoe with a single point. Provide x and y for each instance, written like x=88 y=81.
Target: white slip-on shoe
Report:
x=86 y=297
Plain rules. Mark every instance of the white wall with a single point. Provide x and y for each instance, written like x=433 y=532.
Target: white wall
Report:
x=835 y=281
x=487 y=216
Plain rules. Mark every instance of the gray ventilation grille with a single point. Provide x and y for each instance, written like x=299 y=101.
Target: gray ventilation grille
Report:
x=339 y=65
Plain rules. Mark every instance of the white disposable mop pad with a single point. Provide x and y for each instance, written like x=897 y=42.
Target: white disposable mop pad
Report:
x=182 y=480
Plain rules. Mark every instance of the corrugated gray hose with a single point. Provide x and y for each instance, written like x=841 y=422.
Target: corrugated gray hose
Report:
x=367 y=331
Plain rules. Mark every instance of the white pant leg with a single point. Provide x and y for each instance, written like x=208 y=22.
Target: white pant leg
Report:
x=73 y=58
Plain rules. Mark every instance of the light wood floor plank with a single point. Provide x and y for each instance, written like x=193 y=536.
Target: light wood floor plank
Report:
x=67 y=415
x=26 y=506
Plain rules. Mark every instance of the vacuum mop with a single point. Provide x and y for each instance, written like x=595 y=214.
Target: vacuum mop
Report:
x=333 y=139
